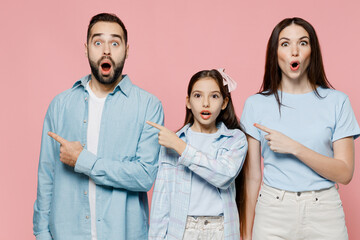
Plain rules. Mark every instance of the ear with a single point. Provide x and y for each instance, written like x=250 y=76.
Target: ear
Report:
x=225 y=103
x=127 y=51
x=188 y=102
x=86 y=50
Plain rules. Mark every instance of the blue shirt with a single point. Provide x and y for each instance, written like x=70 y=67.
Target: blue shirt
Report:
x=171 y=196
x=124 y=169
x=205 y=199
x=316 y=122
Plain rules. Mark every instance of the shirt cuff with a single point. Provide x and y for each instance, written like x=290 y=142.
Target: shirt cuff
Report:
x=187 y=156
x=85 y=162
x=44 y=236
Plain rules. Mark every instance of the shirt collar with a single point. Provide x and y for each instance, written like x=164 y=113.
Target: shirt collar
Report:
x=223 y=131
x=124 y=85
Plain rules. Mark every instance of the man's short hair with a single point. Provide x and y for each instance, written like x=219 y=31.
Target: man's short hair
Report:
x=106 y=17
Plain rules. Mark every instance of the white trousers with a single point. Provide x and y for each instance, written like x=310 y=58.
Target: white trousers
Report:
x=315 y=215
x=204 y=228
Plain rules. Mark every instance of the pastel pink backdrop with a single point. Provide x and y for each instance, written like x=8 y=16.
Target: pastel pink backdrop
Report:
x=42 y=54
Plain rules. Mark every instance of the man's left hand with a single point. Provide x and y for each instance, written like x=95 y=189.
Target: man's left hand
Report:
x=69 y=151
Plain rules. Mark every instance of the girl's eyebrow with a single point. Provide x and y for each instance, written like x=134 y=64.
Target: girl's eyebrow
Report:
x=216 y=91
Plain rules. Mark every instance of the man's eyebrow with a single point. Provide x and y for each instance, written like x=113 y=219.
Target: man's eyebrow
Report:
x=99 y=34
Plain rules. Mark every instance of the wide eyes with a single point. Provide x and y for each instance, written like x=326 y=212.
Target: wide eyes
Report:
x=114 y=44
x=214 y=96
x=286 y=44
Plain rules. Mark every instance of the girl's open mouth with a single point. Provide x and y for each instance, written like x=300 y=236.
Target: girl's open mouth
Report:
x=205 y=114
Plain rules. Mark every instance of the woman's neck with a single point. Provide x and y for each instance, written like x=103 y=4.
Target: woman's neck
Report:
x=295 y=86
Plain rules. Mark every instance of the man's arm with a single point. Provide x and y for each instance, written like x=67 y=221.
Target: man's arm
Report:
x=42 y=204
x=134 y=173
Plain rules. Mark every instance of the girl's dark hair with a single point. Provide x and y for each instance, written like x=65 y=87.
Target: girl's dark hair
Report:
x=272 y=77
x=229 y=118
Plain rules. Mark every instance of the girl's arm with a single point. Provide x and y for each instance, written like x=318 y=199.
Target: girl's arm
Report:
x=338 y=169
x=160 y=202
x=252 y=183
x=222 y=170
x=219 y=172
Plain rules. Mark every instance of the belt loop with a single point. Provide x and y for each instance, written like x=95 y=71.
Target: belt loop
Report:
x=281 y=195
x=337 y=186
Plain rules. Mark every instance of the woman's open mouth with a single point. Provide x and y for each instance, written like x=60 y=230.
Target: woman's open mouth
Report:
x=294 y=65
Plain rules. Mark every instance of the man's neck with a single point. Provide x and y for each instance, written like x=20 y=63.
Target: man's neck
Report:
x=102 y=90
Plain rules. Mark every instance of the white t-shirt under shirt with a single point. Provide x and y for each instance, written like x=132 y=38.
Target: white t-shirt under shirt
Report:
x=96 y=106
x=205 y=199
x=314 y=122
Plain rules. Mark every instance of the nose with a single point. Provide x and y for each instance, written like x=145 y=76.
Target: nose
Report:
x=106 y=50
x=206 y=102
x=295 y=51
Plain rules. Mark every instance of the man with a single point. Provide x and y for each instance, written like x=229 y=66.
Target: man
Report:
x=98 y=156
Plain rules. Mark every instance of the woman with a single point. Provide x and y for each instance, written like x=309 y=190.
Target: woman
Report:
x=305 y=131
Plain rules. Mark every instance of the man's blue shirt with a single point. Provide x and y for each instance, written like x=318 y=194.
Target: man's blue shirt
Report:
x=124 y=169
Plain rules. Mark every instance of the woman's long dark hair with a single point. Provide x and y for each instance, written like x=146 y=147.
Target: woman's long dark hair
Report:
x=229 y=118
x=272 y=77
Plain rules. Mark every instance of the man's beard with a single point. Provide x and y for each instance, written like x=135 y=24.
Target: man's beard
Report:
x=95 y=70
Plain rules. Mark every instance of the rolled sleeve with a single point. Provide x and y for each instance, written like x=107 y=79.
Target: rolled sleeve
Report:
x=85 y=162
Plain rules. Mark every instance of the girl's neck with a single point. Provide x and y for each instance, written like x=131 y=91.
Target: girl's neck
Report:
x=198 y=127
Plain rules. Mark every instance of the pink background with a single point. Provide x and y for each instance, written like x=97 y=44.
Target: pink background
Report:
x=42 y=54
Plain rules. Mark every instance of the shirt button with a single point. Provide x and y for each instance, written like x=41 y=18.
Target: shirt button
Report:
x=85 y=121
x=87 y=217
x=85 y=192
x=85 y=98
x=83 y=145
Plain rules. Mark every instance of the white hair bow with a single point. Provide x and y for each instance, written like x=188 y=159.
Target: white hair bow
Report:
x=227 y=80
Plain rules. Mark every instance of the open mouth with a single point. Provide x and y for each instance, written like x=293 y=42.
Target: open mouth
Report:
x=105 y=68
x=294 y=65
x=205 y=114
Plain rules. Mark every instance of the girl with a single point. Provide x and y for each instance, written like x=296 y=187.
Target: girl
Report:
x=305 y=131
x=194 y=194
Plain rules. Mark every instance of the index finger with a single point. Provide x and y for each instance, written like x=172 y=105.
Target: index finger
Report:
x=57 y=138
x=155 y=125
x=262 y=128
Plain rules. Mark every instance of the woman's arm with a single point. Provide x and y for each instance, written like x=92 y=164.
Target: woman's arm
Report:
x=339 y=169
x=252 y=170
